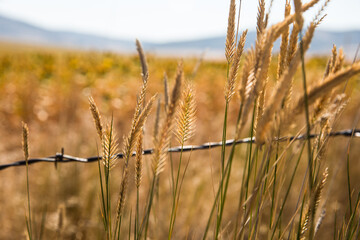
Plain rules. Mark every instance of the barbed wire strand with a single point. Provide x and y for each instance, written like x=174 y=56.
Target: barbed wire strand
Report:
x=63 y=158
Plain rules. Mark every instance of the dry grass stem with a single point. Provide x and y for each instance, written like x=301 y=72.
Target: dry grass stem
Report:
x=334 y=64
x=320 y=142
x=122 y=194
x=266 y=20
x=136 y=130
x=130 y=141
x=314 y=204
x=160 y=150
x=140 y=103
x=61 y=219
x=282 y=87
x=279 y=27
x=317 y=197
x=332 y=81
x=317 y=16
x=320 y=220
x=258 y=78
x=337 y=106
x=197 y=65
x=298 y=13
x=138 y=121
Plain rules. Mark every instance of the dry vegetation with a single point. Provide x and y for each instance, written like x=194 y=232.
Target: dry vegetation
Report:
x=267 y=190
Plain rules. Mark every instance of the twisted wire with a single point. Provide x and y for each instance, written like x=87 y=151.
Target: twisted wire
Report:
x=63 y=158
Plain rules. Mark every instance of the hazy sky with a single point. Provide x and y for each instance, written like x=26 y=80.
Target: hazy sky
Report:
x=161 y=20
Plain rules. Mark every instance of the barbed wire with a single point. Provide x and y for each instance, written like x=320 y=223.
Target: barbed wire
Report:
x=63 y=158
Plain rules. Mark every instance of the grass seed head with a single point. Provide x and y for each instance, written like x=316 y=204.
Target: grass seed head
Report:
x=138 y=161
x=186 y=115
x=144 y=67
x=230 y=84
x=162 y=143
x=96 y=117
x=284 y=43
x=230 y=37
x=110 y=147
x=25 y=140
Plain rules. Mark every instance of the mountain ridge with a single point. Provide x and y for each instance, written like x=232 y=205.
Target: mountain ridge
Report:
x=22 y=32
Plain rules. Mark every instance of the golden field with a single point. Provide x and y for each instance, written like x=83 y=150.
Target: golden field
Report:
x=49 y=90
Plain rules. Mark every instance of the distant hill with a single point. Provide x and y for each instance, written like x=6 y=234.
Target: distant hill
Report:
x=18 y=31
x=22 y=32
x=322 y=44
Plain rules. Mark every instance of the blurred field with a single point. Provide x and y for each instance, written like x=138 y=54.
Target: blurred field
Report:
x=49 y=89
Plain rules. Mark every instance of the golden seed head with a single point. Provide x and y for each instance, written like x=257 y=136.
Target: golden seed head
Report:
x=25 y=140
x=161 y=144
x=144 y=67
x=230 y=84
x=186 y=115
x=138 y=161
x=230 y=37
x=110 y=147
x=97 y=117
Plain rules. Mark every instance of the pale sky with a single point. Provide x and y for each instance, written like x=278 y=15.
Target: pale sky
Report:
x=161 y=20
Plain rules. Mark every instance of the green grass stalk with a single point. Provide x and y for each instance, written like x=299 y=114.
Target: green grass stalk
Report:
x=307 y=115
x=28 y=219
x=215 y=202
x=287 y=192
x=335 y=225
x=137 y=214
x=145 y=224
x=175 y=197
x=223 y=152
x=300 y=218
x=43 y=221
x=103 y=207
x=25 y=145
x=129 y=234
x=274 y=182
x=348 y=178
x=228 y=173
x=350 y=230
